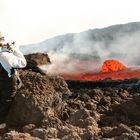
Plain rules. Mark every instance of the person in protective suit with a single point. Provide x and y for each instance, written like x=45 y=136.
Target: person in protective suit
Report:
x=10 y=59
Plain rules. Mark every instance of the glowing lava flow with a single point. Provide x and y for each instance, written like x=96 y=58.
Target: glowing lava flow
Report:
x=111 y=69
x=119 y=75
x=112 y=66
x=93 y=71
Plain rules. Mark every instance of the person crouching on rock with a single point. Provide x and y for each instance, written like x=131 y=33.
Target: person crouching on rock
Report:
x=10 y=59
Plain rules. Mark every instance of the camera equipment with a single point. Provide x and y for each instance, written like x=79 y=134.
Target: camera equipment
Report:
x=9 y=47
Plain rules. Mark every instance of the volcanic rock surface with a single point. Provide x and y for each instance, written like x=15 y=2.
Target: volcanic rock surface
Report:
x=37 y=98
x=36 y=59
x=48 y=107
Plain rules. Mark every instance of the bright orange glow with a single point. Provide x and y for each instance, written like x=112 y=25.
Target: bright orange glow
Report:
x=112 y=66
x=115 y=70
x=128 y=73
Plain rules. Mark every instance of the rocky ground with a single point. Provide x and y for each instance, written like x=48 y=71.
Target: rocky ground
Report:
x=50 y=108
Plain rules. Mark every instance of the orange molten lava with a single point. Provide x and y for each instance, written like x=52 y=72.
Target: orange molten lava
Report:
x=128 y=73
x=112 y=66
x=110 y=69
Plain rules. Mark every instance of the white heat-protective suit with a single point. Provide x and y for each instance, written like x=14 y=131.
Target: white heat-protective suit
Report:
x=14 y=59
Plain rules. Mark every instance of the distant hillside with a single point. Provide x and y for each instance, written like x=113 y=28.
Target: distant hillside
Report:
x=114 y=42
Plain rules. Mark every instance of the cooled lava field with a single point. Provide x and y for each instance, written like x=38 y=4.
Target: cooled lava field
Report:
x=98 y=106
x=110 y=107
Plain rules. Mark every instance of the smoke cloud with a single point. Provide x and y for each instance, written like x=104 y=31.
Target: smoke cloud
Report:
x=85 y=52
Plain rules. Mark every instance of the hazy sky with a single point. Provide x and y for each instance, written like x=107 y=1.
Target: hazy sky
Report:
x=31 y=21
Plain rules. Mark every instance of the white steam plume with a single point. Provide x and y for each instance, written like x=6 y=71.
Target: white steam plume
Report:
x=66 y=52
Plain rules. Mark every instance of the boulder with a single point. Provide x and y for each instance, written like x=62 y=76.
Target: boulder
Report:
x=115 y=131
x=13 y=135
x=35 y=60
x=44 y=134
x=129 y=108
x=82 y=118
x=128 y=136
x=72 y=136
x=39 y=97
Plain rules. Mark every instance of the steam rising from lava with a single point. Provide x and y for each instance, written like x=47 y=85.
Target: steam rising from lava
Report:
x=85 y=52
x=62 y=64
x=91 y=56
